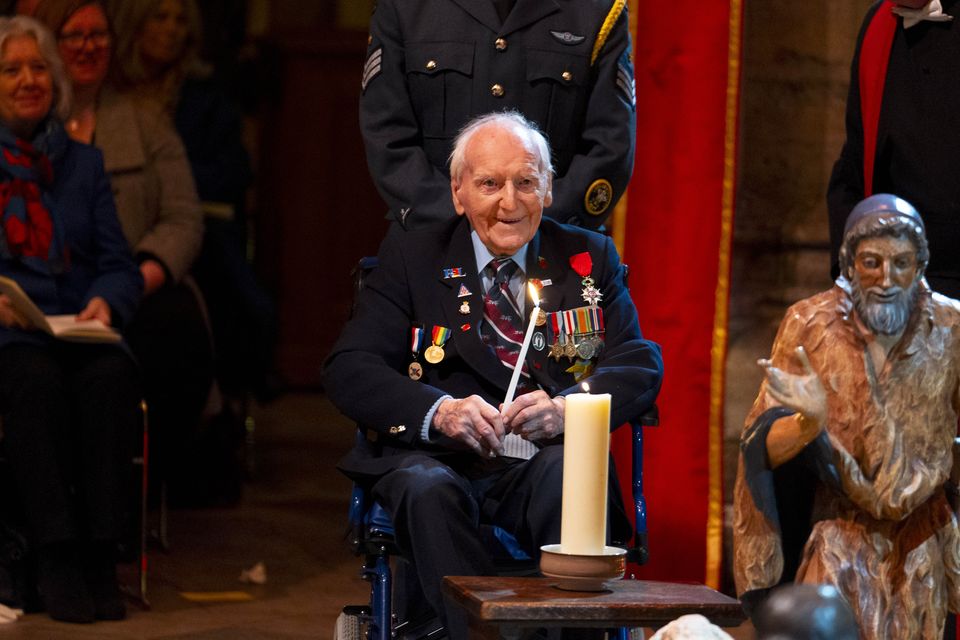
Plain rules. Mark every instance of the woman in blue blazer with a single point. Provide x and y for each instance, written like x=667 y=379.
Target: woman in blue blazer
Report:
x=68 y=410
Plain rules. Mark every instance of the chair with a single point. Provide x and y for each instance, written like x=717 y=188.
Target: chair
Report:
x=371 y=536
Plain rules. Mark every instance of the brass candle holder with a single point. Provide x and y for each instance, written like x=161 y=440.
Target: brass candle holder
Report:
x=576 y=572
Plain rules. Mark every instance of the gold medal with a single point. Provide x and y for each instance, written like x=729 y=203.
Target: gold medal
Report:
x=415 y=371
x=433 y=354
x=570 y=349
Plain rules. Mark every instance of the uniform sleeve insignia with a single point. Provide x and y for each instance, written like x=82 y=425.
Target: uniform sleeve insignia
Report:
x=626 y=84
x=567 y=38
x=598 y=197
x=371 y=68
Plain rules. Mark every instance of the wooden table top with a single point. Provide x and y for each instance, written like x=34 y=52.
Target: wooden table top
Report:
x=636 y=603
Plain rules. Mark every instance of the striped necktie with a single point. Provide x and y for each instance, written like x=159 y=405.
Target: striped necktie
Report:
x=501 y=330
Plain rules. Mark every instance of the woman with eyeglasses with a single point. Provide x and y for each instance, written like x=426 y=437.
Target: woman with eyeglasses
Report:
x=158 y=59
x=161 y=218
x=69 y=411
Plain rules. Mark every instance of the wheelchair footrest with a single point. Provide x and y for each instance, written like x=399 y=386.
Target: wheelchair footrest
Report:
x=357 y=610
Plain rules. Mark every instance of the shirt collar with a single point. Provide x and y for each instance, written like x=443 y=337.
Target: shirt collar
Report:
x=484 y=256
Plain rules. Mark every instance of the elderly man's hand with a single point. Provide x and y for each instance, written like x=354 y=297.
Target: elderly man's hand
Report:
x=472 y=421
x=802 y=393
x=10 y=317
x=535 y=416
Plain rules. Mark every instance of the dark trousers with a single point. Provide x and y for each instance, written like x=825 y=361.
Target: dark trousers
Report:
x=70 y=416
x=437 y=508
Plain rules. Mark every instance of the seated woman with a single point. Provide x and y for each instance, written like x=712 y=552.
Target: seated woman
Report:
x=69 y=411
x=158 y=60
x=161 y=218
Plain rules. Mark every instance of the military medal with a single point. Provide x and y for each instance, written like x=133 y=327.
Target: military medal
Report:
x=556 y=324
x=586 y=349
x=415 y=371
x=434 y=352
x=582 y=263
x=541 y=317
x=591 y=294
x=556 y=351
x=569 y=348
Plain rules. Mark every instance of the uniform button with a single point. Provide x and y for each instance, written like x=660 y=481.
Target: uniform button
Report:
x=431 y=65
x=567 y=76
x=369 y=40
x=497 y=91
x=500 y=44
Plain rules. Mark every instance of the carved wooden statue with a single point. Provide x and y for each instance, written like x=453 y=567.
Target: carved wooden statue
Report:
x=846 y=455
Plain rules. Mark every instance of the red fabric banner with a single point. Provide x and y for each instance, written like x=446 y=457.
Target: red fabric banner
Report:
x=677 y=243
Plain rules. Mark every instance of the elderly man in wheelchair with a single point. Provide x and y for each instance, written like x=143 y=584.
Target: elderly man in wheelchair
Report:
x=424 y=364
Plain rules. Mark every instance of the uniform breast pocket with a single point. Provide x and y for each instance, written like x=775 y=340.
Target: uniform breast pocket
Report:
x=556 y=96
x=439 y=75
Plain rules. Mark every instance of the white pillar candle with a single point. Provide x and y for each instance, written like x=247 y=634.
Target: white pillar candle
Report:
x=586 y=447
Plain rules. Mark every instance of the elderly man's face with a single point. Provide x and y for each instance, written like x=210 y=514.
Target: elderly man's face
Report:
x=885 y=282
x=501 y=190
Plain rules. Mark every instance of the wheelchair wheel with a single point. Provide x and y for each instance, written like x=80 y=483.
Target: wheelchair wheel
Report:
x=348 y=627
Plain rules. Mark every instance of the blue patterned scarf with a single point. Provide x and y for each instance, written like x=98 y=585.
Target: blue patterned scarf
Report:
x=31 y=231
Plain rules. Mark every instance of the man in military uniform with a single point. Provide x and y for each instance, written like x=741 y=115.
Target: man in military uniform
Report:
x=432 y=65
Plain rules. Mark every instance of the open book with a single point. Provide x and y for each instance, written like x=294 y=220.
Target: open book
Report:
x=65 y=327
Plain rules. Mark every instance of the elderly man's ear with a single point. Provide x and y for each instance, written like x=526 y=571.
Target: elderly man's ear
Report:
x=457 y=205
x=548 y=196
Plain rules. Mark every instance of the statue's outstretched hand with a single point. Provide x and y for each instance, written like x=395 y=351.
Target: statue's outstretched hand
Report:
x=802 y=393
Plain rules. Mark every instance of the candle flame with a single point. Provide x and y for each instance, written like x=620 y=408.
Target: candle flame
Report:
x=534 y=294
x=585 y=386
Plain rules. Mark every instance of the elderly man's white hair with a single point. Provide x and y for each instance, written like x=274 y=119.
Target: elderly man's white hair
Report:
x=513 y=121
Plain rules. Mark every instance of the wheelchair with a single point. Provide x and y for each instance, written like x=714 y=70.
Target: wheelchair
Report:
x=370 y=536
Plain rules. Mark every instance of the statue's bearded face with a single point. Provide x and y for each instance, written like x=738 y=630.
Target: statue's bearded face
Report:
x=885 y=283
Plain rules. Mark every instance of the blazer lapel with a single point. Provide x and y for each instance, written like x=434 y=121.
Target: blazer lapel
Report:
x=525 y=12
x=483 y=12
x=465 y=328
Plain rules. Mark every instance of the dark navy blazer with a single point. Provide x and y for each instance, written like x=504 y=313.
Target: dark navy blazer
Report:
x=366 y=374
x=100 y=262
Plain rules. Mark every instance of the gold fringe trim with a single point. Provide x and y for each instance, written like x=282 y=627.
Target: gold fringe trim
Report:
x=718 y=350
x=607 y=27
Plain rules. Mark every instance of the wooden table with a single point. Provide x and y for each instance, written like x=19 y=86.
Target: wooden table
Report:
x=493 y=601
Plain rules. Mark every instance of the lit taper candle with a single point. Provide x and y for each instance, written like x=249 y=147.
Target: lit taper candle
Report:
x=512 y=389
